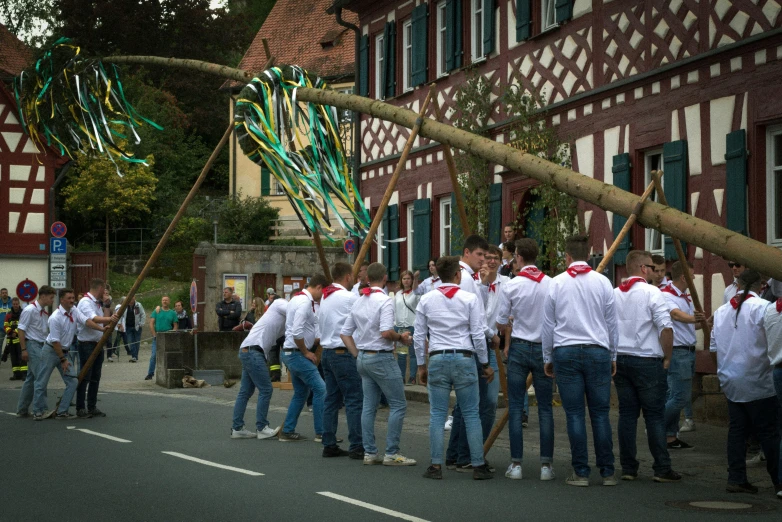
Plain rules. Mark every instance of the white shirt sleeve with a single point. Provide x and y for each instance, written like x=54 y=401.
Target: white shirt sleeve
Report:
x=80 y=317
x=477 y=331
x=350 y=325
x=387 y=315
x=661 y=313
x=419 y=336
x=613 y=331
x=713 y=340
x=549 y=321
x=55 y=331
x=503 y=308
x=301 y=315
x=85 y=308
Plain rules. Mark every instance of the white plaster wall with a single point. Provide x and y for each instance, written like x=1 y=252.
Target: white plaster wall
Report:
x=692 y=116
x=611 y=149
x=585 y=152
x=721 y=119
x=15 y=270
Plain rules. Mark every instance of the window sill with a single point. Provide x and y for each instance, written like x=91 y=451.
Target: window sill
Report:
x=543 y=33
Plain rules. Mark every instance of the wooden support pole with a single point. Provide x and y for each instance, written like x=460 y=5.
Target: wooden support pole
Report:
x=391 y=186
x=499 y=425
x=324 y=264
x=454 y=177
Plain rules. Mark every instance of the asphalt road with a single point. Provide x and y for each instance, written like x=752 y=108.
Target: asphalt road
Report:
x=55 y=470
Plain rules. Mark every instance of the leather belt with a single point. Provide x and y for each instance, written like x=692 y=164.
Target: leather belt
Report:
x=465 y=353
x=520 y=340
x=688 y=348
x=373 y=352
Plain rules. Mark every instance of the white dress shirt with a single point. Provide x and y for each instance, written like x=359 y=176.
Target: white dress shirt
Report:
x=34 y=322
x=371 y=314
x=579 y=310
x=772 y=323
x=62 y=329
x=90 y=308
x=427 y=285
x=683 y=333
x=334 y=311
x=742 y=355
x=642 y=313
x=301 y=322
x=269 y=328
x=730 y=292
x=491 y=296
x=405 y=308
x=455 y=323
x=469 y=281
x=522 y=298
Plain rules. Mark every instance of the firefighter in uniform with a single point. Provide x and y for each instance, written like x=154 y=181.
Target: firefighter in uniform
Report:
x=12 y=347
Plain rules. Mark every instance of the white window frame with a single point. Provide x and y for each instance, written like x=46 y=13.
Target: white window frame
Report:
x=380 y=238
x=407 y=56
x=441 y=68
x=445 y=226
x=773 y=207
x=476 y=30
x=379 y=60
x=548 y=15
x=651 y=234
x=278 y=189
x=410 y=232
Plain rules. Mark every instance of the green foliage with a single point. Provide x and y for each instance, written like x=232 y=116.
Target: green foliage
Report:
x=29 y=20
x=246 y=221
x=151 y=291
x=189 y=232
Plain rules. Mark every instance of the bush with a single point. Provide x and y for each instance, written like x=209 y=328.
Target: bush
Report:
x=246 y=221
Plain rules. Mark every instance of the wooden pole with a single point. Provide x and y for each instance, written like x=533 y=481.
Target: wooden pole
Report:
x=625 y=229
x=324 y=264
x=454 y=176
x=391 y=186
x=500 y=424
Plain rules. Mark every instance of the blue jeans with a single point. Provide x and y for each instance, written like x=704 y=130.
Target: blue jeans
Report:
x=89 y=385
x=343 y=384
x=34 y=349
x=153 y=359
x=403 y=358
x=133 y=341
x=255 y=374
x=458 y=447
x=380 y=374
x=455 y=371
x=525 y=358
x=585 y=369
x=680 y=374
x=778 y=387
x=305 y=377
x=50 y=361
x=641 y=383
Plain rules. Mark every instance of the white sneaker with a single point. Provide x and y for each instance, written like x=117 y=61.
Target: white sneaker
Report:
x=687 y=425
x=397 y=460
x=268 y=433
x=547 y=473
x=756 y=459
x=372 y=460
x=242 y=434
x=514 y=471
x=449 y=423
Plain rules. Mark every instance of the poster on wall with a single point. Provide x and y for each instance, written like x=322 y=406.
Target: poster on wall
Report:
x=239 y=283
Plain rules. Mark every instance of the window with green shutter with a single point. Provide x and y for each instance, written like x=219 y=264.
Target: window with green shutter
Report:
x=675 y=186
x=621 y=169
x=564 y=10
x=389 y=60
x=363 y=66
x=453 y=35
x=266 y=182
x=488 y=26
x=457 y=236
x=420 y=49
x=523 y=19
x=422 y=239
x=736 y=181
x=495 y=214
x=392 y=247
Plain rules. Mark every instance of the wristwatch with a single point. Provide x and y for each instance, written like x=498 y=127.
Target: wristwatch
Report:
x=485 y=365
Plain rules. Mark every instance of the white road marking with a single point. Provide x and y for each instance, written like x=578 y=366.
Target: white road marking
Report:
x=372 y=507
x=8 y=413
x=71 y=427
x=110 y=437
x=213 y=464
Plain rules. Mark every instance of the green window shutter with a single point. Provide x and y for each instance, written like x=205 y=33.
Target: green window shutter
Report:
x=422 y=237
x=564 y=10
x=453 y=34
x=736 y=181
x=675 y=184
x=385 y=258
x=488 y=26
x=457 y=236
x=266 y=182
x=389 y=60
x=523 y=19
x=393 y=248
x=621 y=170
x=363 y=66
x=420 y=48
x=495 y=213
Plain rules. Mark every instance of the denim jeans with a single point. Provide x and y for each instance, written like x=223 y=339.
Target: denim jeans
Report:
x=343 y=385
x=455 y=371
x=50 y=361
x=133 y=341
x=525 y=358
x=153 y=359
x=680 y=374
x=89 y=385
x=641 y=383
x=305 y=377
x=380 y=374
x=403 y=358
x=255 y=374
x=458 y=447
x=33 y=363
x=580 y=370
x=778 y=387
x=759 y=418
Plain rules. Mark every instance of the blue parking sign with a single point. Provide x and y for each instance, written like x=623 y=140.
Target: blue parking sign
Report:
x=58 y=245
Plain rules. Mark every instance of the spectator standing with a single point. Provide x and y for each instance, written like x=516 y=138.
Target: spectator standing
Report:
x=405 y=303
x=508 y=268
x=732 y=289
x=362 y=279
x=33 y=329
x=184 y=323
x=229 y=311
x=270 y=295
x=508 y=234
x=131 y=325
x=12 y=347
x=430 y=283
x=5 y=307
x=163 y=319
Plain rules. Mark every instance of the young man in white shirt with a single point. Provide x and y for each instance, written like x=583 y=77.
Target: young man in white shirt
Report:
x=362 y=278
x=254 y=354
x=579 y=345
x=33 y=329
x=522 y=298
x=739 y=347
x=454 y=322
x=343 y=383
x=657 y=277
x=301 y=331
x=62 y=332
x=732 y=289
x=369 y=333
x=643 y=356
x=685 y=321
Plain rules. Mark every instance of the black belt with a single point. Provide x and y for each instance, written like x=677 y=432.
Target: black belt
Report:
x=688 y=348
x=257 y=349
x=465 y=353
x=520 y=340
x=376 y=351
x=341 y=349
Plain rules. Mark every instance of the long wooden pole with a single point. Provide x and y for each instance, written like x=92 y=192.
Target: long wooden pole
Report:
x=391 y=186
x=324 y=264
x=500 y=424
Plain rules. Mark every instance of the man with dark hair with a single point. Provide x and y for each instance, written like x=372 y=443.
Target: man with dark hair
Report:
x=343 y=383
x=229 y=311
x=732 y=289
x=579 y=344
x=362 y=278
x=658 y=277
x=301 y=330
x=13 y=348
x=473 y=255
x=33 y=329
x=508 y=234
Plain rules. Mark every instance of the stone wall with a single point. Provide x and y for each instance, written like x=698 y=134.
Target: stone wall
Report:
x=216 y=351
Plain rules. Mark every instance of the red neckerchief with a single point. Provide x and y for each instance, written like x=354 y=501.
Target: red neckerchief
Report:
x=407 y=291
x=493 y=287
x=69 y=316
x=779 y=305
x=367 y=291
x=627 y=285
x=435 y=279
x=311 y=301
x=735 y=303
x=329 y=290
x=448 y=291
x=43 y=310
x=668 y=290
x=475 y=276
x=578 y=270
x=532 y=272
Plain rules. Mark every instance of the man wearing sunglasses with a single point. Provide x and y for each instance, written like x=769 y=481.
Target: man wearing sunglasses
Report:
x=732 y=289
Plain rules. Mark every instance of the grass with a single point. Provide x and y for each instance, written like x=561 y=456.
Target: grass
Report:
x=151 y=290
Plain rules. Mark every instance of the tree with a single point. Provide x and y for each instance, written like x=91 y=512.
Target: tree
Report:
x=30 y=20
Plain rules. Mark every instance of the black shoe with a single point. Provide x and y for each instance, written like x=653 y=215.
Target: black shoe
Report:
x=482 y=473
x=679 y=444
x=671 y=476
x=335 y=451
x=450 y=464
x=741 y=488
x=291 y=437
x=148 y=378
x=488 y=466
x=357 y=454
x=433 y=473
x=525 y=420
x=464 y=468
x=96 y=413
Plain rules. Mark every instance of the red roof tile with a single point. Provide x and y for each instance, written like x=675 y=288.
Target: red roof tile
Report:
x=14 y=54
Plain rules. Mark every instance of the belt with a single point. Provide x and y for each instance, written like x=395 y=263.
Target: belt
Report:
x=465 y=353
x=520 y=340
x=257 y=349
x=290 y=350
x=376 y=351
x=688 y=348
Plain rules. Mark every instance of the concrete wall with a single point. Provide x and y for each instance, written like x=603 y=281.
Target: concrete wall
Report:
x=14 y=270
x=216 y=351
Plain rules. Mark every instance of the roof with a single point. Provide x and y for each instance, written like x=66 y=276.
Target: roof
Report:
x=14 y=54
x=301 y=33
